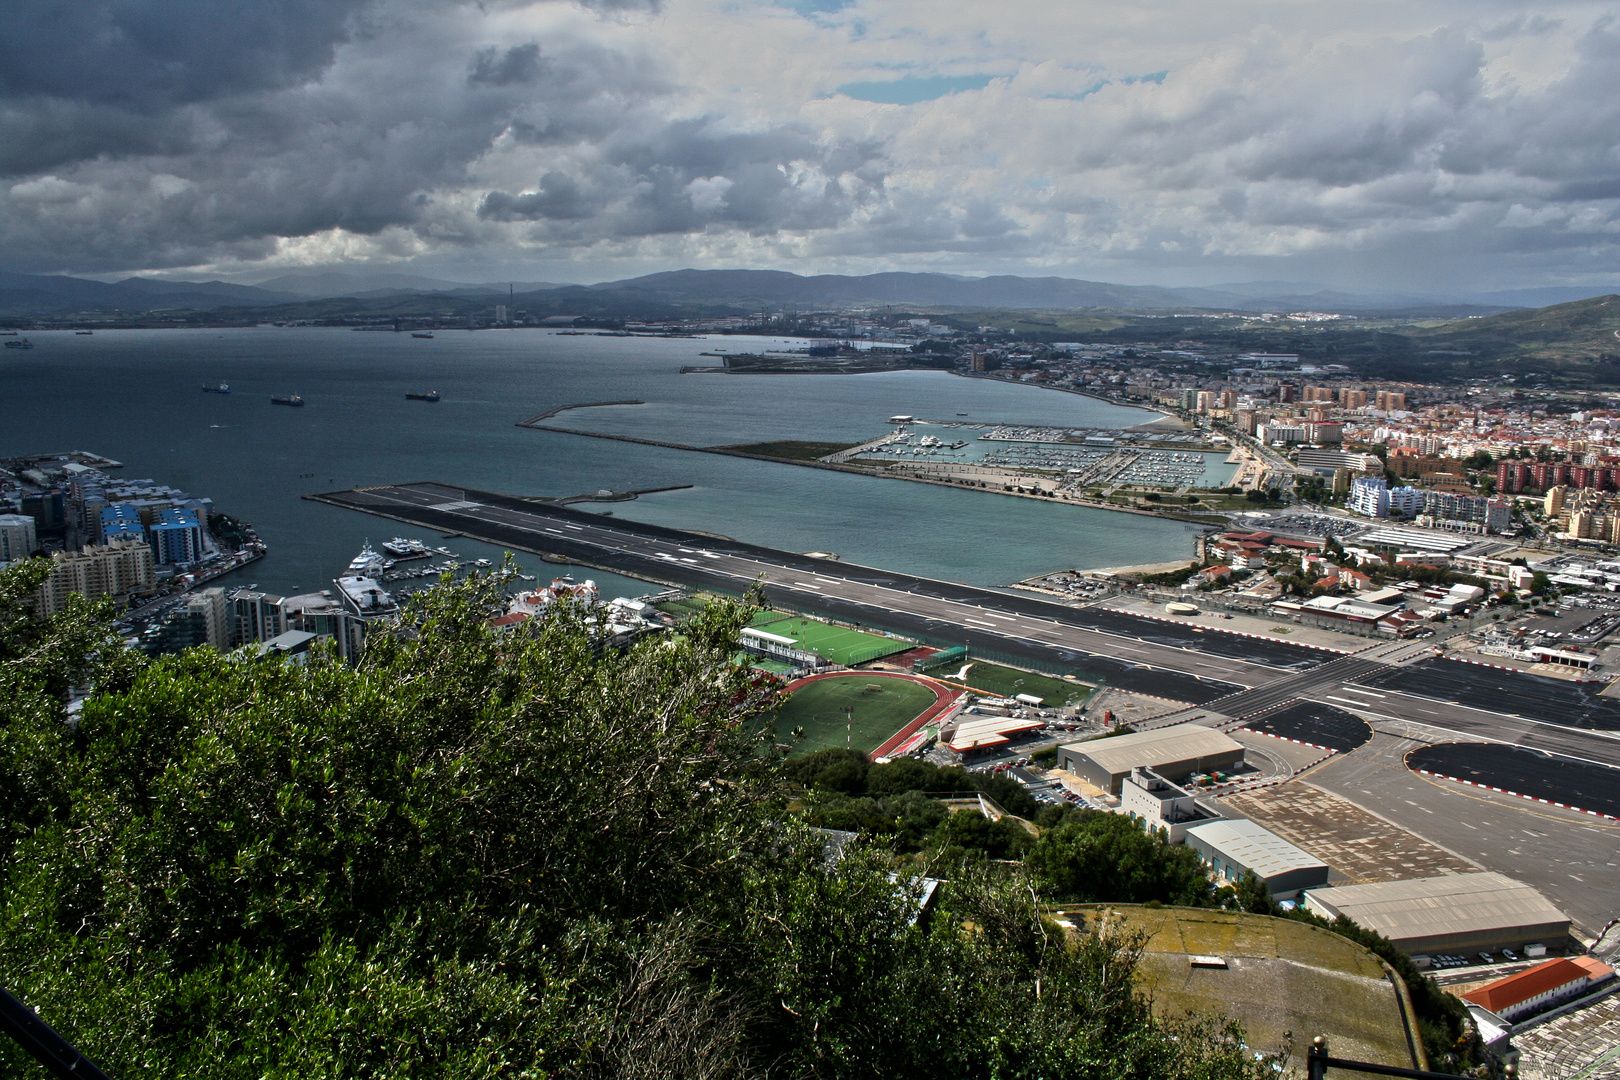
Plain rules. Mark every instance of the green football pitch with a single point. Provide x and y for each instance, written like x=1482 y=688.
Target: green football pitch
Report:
x=880 y=706
x=837 y=644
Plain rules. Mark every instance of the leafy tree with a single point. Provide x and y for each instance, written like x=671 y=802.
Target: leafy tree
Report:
x=969 y=829
x=1092 y=856
x=486 y=855
x=835 y=769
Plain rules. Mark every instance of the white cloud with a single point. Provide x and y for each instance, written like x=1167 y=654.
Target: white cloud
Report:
x=1174 y=140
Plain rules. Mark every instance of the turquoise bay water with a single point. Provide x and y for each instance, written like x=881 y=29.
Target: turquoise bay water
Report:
x=135 y=396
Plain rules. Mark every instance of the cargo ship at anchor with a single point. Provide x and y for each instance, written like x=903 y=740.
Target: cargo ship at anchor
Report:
x=431 y=395
x=288 y=399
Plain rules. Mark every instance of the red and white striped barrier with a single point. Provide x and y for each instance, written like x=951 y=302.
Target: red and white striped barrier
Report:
x=1518 y=795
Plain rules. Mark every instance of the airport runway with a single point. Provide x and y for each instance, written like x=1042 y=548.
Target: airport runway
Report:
x=1130 y=652
x=1166 y=659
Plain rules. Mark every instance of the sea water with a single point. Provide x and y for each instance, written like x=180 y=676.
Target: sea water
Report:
x=136 y=396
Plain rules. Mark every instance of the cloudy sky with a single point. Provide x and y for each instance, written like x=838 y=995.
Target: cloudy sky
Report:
x=1396 y=143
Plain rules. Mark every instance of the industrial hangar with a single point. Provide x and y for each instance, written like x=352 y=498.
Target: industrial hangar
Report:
x=1174 y=753
x=1233 y=848
x=1463 y=913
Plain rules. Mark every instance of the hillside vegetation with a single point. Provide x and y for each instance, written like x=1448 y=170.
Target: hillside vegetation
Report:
x=483 y=855
x=1571 y=343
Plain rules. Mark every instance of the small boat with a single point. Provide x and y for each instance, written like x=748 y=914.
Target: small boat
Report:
x=402 y=549
x=83 y=333
x=222 y=388
x=428 y=335
x=288 y=399
x=20 y=343
x=431 y=395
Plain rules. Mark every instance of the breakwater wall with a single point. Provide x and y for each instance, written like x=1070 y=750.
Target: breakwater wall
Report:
x=538 y=418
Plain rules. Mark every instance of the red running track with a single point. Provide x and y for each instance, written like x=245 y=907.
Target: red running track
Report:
x=944 y=698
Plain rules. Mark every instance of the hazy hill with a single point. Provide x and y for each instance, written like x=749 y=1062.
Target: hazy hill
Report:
x=775 y=287
x=51 y=294
x=321 y=284
x=247 y=295
x=1568 y=342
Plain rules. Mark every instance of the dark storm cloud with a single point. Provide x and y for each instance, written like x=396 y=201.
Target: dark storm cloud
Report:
x=492 y=67
x=139 y=133
x=144 y=55
x=691 y=175
x=559 y=198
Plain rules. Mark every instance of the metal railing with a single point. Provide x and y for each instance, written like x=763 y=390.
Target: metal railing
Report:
x=60 y=1057
x=1318 y=1062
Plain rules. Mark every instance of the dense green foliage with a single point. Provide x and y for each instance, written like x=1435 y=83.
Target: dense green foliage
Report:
x=850 y=773
x=898 y=803
x=477 y=855
x=1092 y=856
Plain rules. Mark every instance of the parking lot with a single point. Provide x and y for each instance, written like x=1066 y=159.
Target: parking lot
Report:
x=1305 y=525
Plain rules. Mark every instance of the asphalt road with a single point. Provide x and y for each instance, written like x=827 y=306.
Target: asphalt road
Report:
x=1573 y=859
x=1472 y=724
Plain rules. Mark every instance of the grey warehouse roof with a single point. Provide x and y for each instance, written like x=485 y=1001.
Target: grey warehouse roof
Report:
x=1435 y=906
x=1255 y=847
x=1122 y=753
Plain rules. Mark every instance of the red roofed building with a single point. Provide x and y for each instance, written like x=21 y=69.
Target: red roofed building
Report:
x=1534 y=989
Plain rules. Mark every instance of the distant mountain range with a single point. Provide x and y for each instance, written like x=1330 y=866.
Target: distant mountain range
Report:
x=715 y=290
x=324 y=284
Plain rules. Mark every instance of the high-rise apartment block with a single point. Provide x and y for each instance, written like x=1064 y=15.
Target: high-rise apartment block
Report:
x=1352 y=399
x=18 y=537
x=119 y=568
x=177 y=537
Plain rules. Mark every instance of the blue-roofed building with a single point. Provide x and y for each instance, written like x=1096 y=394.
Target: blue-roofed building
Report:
x=176 y=538
x=121 y=520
